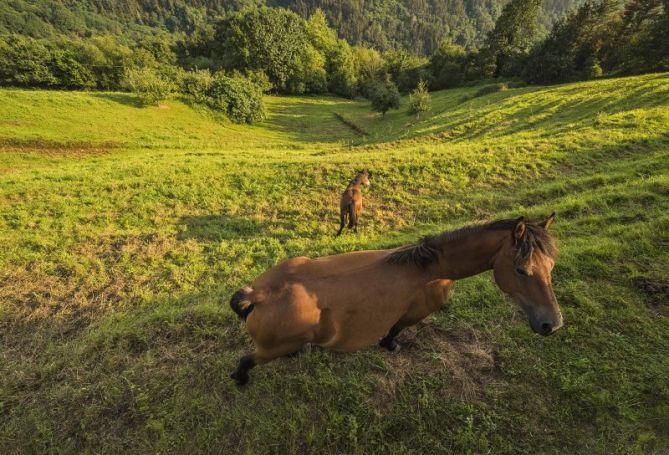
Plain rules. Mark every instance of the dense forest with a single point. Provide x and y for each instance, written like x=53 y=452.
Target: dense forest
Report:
x=418 y=26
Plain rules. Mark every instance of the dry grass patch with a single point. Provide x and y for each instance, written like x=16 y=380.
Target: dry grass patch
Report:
x=55 y=148
x=465 y=356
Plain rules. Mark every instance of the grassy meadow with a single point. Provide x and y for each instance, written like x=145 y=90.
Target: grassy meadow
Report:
x=124 y=231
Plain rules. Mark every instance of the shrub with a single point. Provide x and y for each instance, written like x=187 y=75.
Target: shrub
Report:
x=384 y=96
x=493 y=88
x=419 y=99
x=149 y=86
x=238 y=97
x=260 y=80
x=195 y=85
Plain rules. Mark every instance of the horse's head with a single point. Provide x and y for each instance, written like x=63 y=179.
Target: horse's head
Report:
x=363 y=176
x=522 y=269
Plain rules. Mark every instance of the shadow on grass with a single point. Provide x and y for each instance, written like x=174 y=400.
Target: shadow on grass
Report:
x=214 y=228
x=310 y=119
x=121 y=98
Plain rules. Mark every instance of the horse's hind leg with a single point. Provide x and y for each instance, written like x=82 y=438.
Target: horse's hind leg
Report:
x=342 y=222
x=241 y=374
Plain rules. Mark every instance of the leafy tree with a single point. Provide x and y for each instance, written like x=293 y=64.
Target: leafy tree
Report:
x=640 y=40
x=405 y=69
x=573 y=46
x=370 y=69
x=319 y=34
x=384 y=96
x=339 y=60
x=419 y=99
x=273 y=40
x=108 y=60
x=160 y=49
x=69 y=72
x=446 y=66
x=25 y=62
x=341 y=70
x=511 y=39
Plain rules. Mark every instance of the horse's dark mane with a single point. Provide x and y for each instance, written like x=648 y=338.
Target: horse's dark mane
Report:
x=357 y=178
x=427 y=250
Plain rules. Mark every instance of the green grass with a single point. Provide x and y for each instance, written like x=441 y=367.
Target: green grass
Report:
x=124 y=231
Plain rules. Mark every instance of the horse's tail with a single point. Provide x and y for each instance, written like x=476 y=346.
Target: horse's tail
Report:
x=240 y=303
x=352 y=218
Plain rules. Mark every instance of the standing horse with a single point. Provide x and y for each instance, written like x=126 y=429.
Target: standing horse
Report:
x=350 y=301
x=350 y=204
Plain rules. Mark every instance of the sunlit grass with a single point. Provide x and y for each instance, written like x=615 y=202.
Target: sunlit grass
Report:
x=124 y=230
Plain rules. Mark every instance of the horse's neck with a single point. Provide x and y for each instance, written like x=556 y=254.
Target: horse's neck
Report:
x=355 y=183
x=470 y=254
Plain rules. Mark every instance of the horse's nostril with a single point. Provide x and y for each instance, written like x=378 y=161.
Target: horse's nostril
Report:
x=546 y=328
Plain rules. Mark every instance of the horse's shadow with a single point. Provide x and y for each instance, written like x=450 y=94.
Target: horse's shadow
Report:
x=215 y=228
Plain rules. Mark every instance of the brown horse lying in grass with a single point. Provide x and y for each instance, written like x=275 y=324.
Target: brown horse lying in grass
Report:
x=350 y=204
x=350 y=301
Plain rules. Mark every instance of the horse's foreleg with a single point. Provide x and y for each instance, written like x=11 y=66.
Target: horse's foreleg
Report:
x=426 y=302
x=388 y=341
x=241 y=374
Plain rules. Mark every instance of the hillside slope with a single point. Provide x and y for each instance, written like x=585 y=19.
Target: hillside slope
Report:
x=126 y=229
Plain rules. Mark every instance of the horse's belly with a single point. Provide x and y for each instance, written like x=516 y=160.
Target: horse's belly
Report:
x=353 y=330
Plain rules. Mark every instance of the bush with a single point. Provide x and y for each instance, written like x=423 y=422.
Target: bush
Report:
x=238 y=97
x=259 y=79
x=493 y=88
x=149 y=86
x=419 y=99
x=195 y=85
x=384 y=96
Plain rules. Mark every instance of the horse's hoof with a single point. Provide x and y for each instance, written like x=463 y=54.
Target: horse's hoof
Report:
x=392 y=346
x=240 y=379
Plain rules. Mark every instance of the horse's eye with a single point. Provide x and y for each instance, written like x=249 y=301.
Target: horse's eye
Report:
x=520 y=271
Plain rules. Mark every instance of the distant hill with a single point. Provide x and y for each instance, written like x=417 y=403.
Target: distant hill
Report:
x=415 y=25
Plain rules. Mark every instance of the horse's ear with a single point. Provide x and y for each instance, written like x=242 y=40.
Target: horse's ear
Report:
x=548 y=221
x=369 y=173
x=519 y=229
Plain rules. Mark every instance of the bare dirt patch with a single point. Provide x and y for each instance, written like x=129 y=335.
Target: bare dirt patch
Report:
x=466 y=356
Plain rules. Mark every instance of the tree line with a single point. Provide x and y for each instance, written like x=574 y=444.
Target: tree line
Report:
x=227 y=64
x=418 y=26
